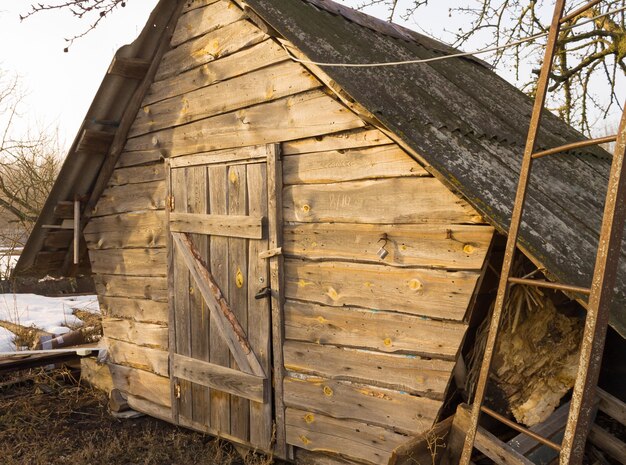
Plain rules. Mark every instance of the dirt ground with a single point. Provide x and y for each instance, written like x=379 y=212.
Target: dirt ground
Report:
x=50 y=418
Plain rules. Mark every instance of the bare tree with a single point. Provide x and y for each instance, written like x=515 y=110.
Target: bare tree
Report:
x=589 y=57
x=29 y=165
x=92 y=11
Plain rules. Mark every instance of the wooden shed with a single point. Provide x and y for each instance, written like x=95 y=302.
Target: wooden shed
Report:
x=287 y=255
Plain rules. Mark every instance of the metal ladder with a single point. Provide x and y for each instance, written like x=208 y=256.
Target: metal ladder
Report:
x=600 y=293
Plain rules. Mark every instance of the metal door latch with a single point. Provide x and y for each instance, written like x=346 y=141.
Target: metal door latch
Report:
x=263 y=293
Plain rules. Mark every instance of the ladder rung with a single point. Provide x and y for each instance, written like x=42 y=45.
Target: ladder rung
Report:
x=575 y=145
x=521 y=429
x=550 y=285
x=580 y=10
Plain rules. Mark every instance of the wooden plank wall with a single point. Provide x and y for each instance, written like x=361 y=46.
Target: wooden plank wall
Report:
x=370 y=343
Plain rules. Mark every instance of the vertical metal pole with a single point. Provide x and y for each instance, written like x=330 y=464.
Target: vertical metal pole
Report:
x=602 y=292
x=518 y=207
x=76 y=229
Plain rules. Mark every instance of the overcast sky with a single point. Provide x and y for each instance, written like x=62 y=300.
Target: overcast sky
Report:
x=62 y=85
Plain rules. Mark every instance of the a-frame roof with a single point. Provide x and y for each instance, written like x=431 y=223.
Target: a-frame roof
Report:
x=466 y=124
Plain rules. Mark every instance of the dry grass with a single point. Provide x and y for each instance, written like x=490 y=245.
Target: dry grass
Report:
x=50 y=419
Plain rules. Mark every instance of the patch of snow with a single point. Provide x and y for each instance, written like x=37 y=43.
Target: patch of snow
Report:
x=51 y=314
x=6 y=340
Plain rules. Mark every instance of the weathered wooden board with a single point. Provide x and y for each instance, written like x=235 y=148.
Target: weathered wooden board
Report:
x=150 y=408
x=302 y=115
x=144 y=310
x=433 y=293
x=242 y=226
x=407 y=373
x=259 y=332
x=197 y=203
x=131 y=197
x=257 y=87
x=219 y=264
x=140 y=383
x=249 y=59
x=129 y=262
x=315 y=432
x=366 y=137
x=238 y=288
x=395 y=410
x=221 y=378
x=134 y=332
x=209 y=47
x=371 y=329
x=134 y=356
x=386 y=161
x=153 y=288
x=450 y=246
x=398 y=201
x=138 y=158
x=238 y=155
x=140 y=229
x=193 y=4
x=56 y=240
x=204 y=20
x=137 y=174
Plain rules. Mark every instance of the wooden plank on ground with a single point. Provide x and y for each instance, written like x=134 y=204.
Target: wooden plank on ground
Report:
x=385 y=161
x=432 y=293
x=137 y=174
x=371 y=329
x=264 y=85
x=209 y=47
x=219 y=353
x=458 y=247
x=249 y=59
x=154 y=288
x=260 y=332
x=402 y=412
x=408 y=373
x=143 y=334
x=315 y=432
x=366 y=137
x=221 y=378
x=129 y=262
x=241 y=226
x=134 y=356
x=238 y=290
x=393 y=201
x=204 y=20
x=302 y=115
x=143 y=310
x=131 y=197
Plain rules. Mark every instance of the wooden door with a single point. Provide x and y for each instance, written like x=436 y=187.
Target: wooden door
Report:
x=220 y=301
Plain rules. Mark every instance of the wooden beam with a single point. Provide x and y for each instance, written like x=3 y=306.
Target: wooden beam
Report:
x=95 y=142
x=255 y=388
x=119 y=139
x=608 y=443
x=247 y=227
x=612 y=406
x=130 y=68
x=425 y=448
x=228 y=326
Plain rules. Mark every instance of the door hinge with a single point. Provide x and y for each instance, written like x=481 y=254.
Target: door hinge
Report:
x=177 y=390
x=171 y=202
